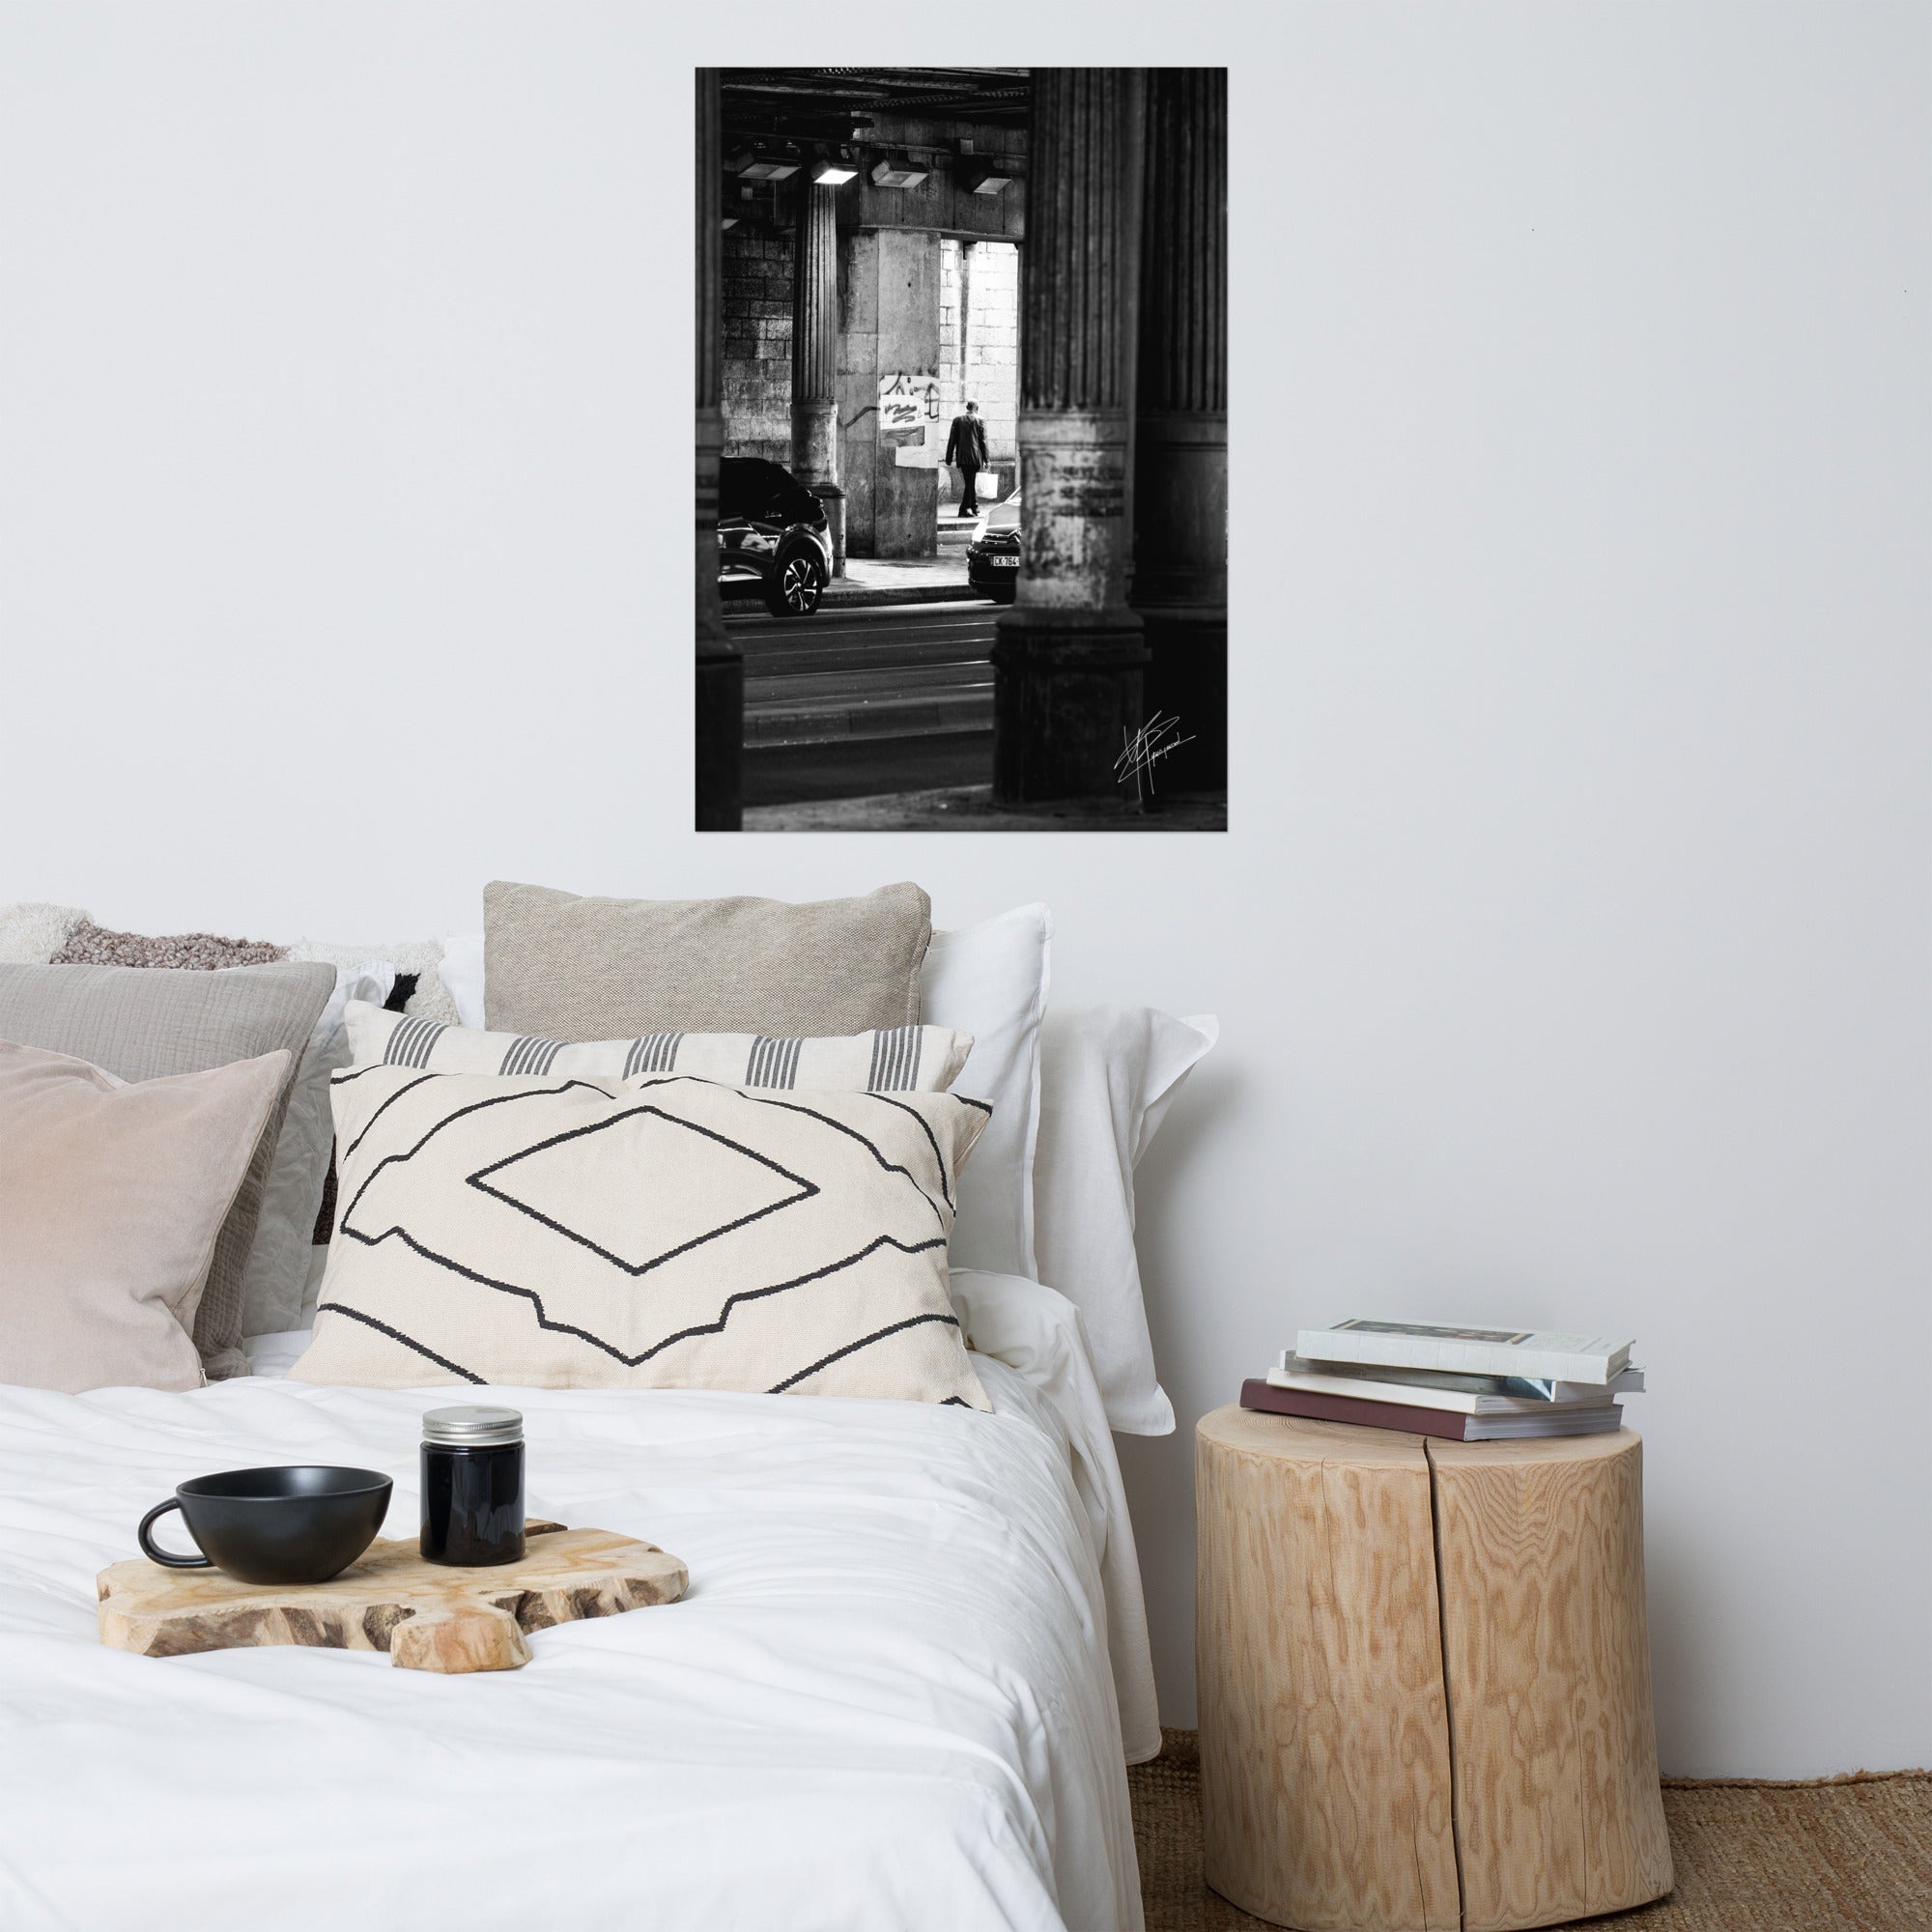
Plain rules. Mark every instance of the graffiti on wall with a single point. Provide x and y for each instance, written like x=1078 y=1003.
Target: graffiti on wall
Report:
x=908 y=409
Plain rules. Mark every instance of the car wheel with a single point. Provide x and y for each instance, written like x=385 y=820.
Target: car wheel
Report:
x=795 y=590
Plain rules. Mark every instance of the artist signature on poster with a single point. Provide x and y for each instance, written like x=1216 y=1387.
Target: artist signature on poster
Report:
x=1141 y=751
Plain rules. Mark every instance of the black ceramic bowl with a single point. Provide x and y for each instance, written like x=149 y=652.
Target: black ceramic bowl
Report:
x=302 y=1524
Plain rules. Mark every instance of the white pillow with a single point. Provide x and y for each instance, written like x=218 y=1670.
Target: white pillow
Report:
x=990 y=981
x=462 y=975
x=278 y=1265
x=1109 y=1075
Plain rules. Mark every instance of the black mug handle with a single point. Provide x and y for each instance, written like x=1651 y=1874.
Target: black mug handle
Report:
x=154 y=1551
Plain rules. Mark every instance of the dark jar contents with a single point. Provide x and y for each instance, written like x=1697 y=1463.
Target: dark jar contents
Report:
x=473 y=1485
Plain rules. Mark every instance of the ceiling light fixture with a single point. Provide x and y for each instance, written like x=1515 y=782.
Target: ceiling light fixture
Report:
x=748 y=164
x=984 y=177
x=835 y=171
x=896 y=171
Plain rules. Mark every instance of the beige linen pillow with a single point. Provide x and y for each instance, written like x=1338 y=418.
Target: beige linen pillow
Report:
x=570 y=968
x=655 y=1232
x=140 y=1025
x=112 y=1195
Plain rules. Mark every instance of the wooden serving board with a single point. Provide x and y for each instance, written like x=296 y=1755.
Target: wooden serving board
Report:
x=426 y=1615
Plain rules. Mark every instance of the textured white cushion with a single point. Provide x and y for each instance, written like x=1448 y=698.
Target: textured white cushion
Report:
x=421 y=956
x=31 y=934
x=900 y=1060
x=1109 y=1075
x=990 y=981
x=657 y=1233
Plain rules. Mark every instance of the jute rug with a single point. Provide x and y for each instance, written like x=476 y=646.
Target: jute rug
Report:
x=1850 y=1854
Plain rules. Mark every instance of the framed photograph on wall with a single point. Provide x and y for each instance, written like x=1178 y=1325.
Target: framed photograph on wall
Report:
x=962 y=449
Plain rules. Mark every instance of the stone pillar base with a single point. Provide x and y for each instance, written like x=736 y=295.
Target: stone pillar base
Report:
x=833 y=500
x=814 y=441
x=1066 y=694
x=719 y=696
x=1187 y=680
x=721 y=735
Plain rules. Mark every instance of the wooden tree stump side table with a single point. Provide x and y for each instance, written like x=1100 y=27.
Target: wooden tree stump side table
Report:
x=1424 y=1676
x=1325 y=1797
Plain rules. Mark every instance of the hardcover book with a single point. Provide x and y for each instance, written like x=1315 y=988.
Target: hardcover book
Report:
x=1460 y=1395
x=1583 y=1419
x=1480 y=1351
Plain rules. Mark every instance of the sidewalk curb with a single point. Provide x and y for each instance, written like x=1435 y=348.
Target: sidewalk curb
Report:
x=834 y=598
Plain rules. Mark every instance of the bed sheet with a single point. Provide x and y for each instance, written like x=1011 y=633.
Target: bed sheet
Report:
x=885 y=1701
x=1043 y=1334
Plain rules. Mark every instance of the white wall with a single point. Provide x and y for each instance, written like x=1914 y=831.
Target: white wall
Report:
x=1571 y=941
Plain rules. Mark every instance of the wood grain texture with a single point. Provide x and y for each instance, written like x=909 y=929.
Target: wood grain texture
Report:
x=426 y=1615
x=1546 y=1655
x=1324 y=1762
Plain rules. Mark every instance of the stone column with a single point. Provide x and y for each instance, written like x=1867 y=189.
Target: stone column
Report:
x=815 y=336
x=890 y=345
x=814 y=357
x=1068 y=662
x=968 y=250
x=1180 y=422
x=720 y=683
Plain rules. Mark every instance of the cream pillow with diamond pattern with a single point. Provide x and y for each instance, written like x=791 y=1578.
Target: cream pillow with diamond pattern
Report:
x=661 y=1232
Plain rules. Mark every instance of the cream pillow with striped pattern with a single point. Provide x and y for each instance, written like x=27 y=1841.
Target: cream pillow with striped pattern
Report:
x=895 y=1060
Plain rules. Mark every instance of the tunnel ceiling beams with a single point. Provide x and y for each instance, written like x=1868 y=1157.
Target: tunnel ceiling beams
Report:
x=933 y=147
x=956 y=163
x=813 y=102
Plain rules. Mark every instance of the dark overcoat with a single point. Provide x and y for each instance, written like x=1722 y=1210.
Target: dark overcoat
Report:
x=967 y=445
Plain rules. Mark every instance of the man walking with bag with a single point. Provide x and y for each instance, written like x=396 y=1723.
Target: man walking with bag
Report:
x=966 y=447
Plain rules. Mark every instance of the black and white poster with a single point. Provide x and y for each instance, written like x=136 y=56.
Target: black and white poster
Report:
x=962 y=449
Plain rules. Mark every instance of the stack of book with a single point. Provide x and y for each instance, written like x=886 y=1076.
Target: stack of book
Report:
x=1469 y=1384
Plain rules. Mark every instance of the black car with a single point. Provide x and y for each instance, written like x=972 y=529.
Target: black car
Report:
x=771 y=537
x=993 y=562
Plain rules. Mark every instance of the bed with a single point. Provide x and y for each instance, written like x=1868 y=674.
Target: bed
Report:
x=912 y=1664
x=901 y=1692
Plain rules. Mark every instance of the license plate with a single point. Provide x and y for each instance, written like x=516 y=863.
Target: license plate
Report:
x=1004 y=562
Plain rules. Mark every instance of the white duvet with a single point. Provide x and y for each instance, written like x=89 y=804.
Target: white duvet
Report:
x=887 y=1701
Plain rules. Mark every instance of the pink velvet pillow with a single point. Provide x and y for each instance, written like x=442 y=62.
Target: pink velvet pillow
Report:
x=111 y=1196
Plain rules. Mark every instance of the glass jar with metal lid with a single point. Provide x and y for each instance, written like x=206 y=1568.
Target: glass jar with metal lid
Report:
x=473 y=1485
